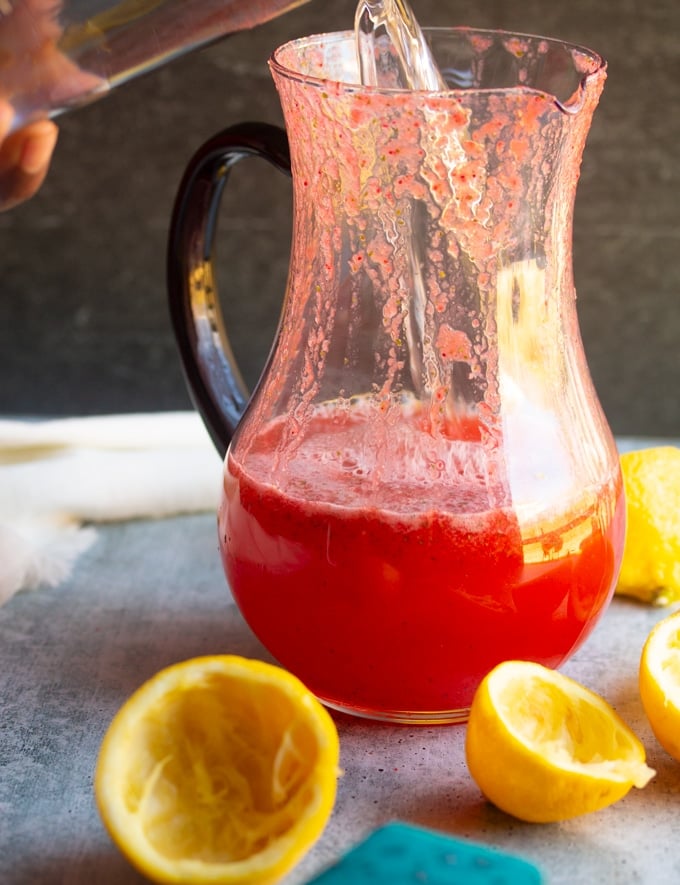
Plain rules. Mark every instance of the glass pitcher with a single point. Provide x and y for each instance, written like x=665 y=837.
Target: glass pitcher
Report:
x=60 y=54
x=423 y=483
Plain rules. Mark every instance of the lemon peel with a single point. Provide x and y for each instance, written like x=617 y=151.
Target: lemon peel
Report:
x=544 y=748
x=659 y=680
x=650 y=570
x=218 y=769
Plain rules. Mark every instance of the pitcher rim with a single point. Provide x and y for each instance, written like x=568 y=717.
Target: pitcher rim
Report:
x=599 y=65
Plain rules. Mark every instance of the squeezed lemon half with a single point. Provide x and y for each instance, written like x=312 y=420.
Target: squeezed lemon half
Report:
x=543 y=748
x=660 y=682
x=218 y=769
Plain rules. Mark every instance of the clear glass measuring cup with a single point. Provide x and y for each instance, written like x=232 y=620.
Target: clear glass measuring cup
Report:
x=59 y=54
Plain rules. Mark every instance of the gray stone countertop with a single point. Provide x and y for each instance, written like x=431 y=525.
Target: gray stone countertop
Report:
x=152 y=593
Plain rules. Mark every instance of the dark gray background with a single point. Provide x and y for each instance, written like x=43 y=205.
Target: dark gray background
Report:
x=83 y=320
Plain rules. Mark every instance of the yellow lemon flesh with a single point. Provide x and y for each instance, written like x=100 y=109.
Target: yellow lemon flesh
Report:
x=543 y=748
x=218 y=769
x=660 y=682
x=650 y=570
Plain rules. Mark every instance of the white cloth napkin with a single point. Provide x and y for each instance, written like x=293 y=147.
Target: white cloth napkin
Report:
x=57 y=477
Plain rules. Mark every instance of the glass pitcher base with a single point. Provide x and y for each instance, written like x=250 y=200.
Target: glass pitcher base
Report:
x=402 y=717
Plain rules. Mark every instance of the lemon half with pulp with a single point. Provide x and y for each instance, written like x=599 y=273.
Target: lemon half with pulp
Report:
x=543 y=748
x=218 y=769
x=660 y=682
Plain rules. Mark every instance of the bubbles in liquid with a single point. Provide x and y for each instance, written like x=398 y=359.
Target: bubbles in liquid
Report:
x=354 y=456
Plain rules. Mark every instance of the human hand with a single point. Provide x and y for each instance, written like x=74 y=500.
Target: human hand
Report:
x=35 y=76
x=25 y=156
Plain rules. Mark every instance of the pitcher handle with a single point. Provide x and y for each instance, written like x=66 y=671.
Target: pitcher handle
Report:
x=215 y=384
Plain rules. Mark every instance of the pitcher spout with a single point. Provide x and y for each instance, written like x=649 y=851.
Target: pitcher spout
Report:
x=592 y=72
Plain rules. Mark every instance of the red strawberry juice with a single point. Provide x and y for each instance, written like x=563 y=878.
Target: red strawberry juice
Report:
x=391 y=583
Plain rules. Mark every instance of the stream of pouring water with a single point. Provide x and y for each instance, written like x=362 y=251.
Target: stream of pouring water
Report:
x=391 y=47
x=392 y=52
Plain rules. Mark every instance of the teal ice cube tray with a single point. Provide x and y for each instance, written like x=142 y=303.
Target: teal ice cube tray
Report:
x=403 y=854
